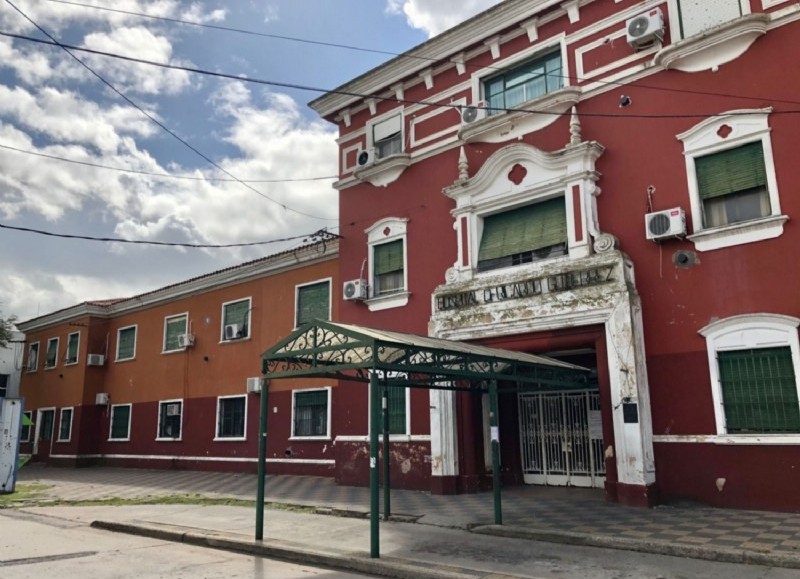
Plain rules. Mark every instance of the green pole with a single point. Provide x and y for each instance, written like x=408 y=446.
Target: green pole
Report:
x=374 y=491
x=262 y=461
x=495 y=435
x=387 y=503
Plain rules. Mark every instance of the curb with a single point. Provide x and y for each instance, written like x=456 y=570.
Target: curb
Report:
x=719 y=554
x=383 y=567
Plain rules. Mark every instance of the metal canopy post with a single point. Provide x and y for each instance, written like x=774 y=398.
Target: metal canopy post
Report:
x=387 y=502
x=495 y=436
x=262 y=461
x=374 y=482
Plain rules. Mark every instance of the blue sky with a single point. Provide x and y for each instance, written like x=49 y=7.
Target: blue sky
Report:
x=50 y=105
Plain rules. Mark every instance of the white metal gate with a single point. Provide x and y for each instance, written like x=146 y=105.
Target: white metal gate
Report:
x=561 y=438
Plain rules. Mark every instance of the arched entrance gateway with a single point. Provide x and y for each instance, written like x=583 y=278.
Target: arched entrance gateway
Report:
x=387 y=360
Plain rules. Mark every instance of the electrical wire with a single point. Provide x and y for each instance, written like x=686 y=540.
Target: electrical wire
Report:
x=308 y=88
x=157 y=122
x=321 y=233
x=160 y=175
x=404 y=55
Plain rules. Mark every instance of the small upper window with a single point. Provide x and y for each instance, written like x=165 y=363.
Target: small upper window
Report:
x=33 y=357
x=313 y=302
x=126 y=343
x=524 y=235
x=387 y=136
x=174 y=327
x=525 y=82
x=52 y=353
x=236 y=320
x=73 y=343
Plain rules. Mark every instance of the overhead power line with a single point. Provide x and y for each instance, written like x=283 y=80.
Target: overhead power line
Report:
x=404 y=55
x=160 y=175
x=156 y=121
x=321 y=234
x=315 y=89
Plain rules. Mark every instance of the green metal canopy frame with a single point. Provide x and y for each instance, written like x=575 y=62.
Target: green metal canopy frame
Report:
x=321 y=349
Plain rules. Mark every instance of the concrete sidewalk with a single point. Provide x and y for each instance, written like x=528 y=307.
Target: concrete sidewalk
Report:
x=569 y=516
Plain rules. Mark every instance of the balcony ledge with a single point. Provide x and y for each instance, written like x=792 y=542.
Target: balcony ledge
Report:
x=384 y=171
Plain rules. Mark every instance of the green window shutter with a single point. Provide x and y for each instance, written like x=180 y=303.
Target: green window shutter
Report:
x=313 y=302
x=127 y=343
x=388 y=257
x=175 y=327
x=731 y=171
x=397 y=410
x=236 y=313
x=525 y=229
x=72 y=348
x=759 y=390
x=120 y=418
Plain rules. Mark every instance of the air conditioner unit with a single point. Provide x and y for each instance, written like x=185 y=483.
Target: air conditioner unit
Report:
x=646 y=29
x=254 y=384
x=95 y=360
x=355 y=290
x=366 y=157
x=473 y=113
x=232 y=331
x=662 y=224
x=101 y=399
x=173 y=409
x=185 y=340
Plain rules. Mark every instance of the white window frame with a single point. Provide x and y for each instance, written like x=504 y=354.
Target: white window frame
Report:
x=392 y=437
x=676 y=30
x=35 y=367
x=747 y=126
x=297 y=289
x=377 y=235
x=217 y=437
x=249 y=318
x=135 y=339
x=77 y=351
x=111 y=422
x=327 y=435
x=746 y=332
x=29 y=414
x=161 y=403
x=369 y=128
x=167 y=319
x=46 y=352
x=71 y=422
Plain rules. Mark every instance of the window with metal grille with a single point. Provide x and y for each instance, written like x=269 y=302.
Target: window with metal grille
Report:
x=231 y=417
x=126 y=343
x=73 y=341
x=65 y=425
x=388 y=268
x=524 y=235
x=120 y=428
x=527 y=81
x=759 y=390
x=174 y=326
x=397 y=410
x=310 y=413
x=733 y=185
x=313 y=302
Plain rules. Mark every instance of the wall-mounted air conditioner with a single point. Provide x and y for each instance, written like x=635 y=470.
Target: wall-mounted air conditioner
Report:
x=355 y=289
x=185 y=340
x=474 y=113
x=95 y=360
x=173 y=409
x=232 y=331
x=646 y=29
x=101 y=398
x=254 y=384
x=366 y=157
x=663 y=224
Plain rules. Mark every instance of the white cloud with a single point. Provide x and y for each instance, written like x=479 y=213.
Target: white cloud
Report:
x=435 y=16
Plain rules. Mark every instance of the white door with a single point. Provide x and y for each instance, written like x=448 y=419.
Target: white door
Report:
x=561 y=438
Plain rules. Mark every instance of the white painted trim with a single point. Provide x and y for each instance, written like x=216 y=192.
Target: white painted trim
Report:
x=398 y=230
x=111 y=422
x=46 y=366
x=414 y=142
x=392 y=438
x=28 y=361
x=135 y=339
x=183 y=458
x=730 y=439
x=167 y=320
x=180 y=425
x=329 y=281
x=327 y=435
x=345 y=151
x=77 y=351
x=770 y=3
x=676 y=32
x=619 y=34
x=248 y=319
x=71 y=421
x=39 y=413
x=217 y=437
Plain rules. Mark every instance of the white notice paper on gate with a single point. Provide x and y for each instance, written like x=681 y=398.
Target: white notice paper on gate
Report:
x=595 y=425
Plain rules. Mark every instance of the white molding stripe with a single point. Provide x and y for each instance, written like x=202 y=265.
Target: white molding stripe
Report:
x=392 y=438
x=320 y=461
x=749 y=439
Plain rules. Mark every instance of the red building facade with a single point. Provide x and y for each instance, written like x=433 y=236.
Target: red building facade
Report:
x=607 y=183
